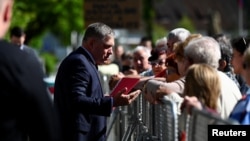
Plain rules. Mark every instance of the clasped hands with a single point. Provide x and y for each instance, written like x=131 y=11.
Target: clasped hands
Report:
x=152 y=90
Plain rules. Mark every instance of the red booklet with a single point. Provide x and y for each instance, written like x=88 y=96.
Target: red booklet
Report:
x=128 y=82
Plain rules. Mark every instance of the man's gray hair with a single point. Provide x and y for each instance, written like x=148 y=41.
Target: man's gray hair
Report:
x=143 y=48
x=203 y=50
x=162 y=42
x=178 y=34
x=98 y=30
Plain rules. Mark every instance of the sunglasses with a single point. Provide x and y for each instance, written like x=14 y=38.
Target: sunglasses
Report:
x=154 y=63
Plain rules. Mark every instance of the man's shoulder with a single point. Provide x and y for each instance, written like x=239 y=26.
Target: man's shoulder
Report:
x=9 y=50
x=14 y=61
x=225 y=80
x=28 y=48
x=6 y=45
x=229 y=86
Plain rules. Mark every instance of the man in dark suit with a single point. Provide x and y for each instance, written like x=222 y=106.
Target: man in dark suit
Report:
x=27 y=112
x=17 y=37
x=83 y=108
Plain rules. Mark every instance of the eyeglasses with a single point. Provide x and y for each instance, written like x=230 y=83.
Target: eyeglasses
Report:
x=160 y=63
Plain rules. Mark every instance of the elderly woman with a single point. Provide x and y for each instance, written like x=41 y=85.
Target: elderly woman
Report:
x=158 y=56
x=241 y=109
x=155 y=89
x=200 y=50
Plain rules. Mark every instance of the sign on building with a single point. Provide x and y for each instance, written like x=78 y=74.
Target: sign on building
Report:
x=115 y=13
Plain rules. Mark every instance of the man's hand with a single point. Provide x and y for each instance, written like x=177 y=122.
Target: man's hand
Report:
x=162 y=91
x=122 y=99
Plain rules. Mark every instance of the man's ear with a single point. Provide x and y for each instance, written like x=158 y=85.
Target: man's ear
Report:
x=90 y=43
x=7 y=12
x=222 y=64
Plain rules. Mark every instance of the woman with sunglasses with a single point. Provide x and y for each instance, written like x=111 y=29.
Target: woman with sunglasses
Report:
x=239 y=44
x=158 y=60
x=241 y=111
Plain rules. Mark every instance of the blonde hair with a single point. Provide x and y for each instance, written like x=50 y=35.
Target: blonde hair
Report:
x=203 y=82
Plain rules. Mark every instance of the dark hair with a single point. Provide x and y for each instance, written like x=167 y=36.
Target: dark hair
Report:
x=225 y=49
x=145 y=38
x=17 y=31
x=219 y=36
x=155 y=53
x=98 y=30
x=127 y=55
x=226 y=54
x=240 y=44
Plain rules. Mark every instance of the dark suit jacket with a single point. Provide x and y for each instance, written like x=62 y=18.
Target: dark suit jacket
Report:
x=25 y=106
x=79 y=98
x=29 y=50
x=33 y=53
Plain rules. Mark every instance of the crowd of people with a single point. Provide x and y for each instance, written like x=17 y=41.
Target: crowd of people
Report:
x=211 y=73
x=191 y=69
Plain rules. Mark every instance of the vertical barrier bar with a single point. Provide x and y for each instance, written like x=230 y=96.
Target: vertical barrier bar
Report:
x=169 y=120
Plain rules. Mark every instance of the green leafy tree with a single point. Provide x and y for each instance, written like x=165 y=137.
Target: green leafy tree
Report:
x=159 y=32
x=185 y=22
x=148 y=16
x=60 y=17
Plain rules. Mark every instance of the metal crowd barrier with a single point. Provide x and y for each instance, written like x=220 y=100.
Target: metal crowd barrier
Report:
x=166 y=120
x=142 y=121
x=197 y=124
x=146 y=122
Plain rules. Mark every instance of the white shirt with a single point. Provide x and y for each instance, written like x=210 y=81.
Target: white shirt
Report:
x=230 y=94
